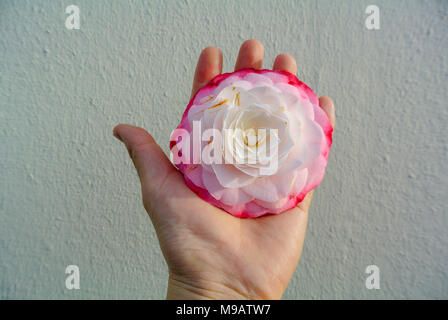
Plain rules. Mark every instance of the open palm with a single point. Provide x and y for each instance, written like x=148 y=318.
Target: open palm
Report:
x=210 y=253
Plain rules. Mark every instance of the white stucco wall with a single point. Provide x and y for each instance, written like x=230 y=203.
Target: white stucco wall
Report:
x=69 y=193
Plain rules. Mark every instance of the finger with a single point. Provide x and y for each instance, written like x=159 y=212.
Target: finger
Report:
x=285 y=62
x=209 y=65
x=328 y=106
x=153 y=167
x=250 y=55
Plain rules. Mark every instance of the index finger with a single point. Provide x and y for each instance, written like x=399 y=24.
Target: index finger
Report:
x=209 y=66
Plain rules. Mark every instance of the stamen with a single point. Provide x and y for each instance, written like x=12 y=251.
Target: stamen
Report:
x=208 y=99
x=218 y=104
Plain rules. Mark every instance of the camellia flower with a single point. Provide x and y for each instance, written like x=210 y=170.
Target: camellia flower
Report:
x=253 y=142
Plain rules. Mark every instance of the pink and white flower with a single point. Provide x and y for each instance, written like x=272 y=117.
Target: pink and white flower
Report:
x=253 y=142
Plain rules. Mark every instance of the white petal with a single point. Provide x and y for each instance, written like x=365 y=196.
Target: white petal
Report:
x=300 y=181
x=308 y=147
x=258 y=79
x=272 y=205
x=230 y=177
x=229 y=196
x=267 y=95
x=242 y=85
x=228 y=83
x=304 y=100
x=233 y=197
x=262 y=189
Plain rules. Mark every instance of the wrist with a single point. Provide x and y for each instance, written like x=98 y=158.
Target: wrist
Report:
x=180 y=288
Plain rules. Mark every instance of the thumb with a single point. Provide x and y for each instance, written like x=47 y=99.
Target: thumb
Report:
x=153 y=166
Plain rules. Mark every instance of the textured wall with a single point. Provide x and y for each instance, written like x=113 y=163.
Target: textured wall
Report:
x=69 y=193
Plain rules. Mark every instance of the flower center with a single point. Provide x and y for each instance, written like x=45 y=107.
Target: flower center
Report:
x=253 y=137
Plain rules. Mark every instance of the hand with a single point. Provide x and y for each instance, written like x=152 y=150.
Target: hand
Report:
x=211 y=254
